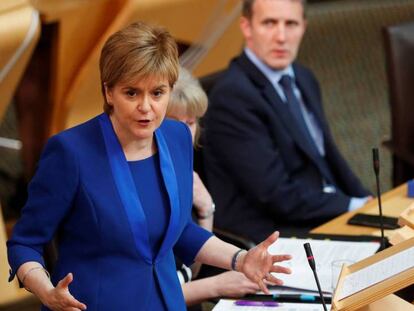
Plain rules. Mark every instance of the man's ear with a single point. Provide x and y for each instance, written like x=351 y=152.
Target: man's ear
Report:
x=245 y=27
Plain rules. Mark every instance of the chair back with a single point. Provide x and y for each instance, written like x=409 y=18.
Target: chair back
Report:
x=399 y=51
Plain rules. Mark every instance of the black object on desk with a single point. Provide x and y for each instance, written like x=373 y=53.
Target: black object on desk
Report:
x=374 y=221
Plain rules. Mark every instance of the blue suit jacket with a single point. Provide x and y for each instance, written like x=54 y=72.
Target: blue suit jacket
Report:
x=75 y=194
x=261 y=172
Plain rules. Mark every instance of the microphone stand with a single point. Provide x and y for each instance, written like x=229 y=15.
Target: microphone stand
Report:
x=375 y=158
x=311 y=262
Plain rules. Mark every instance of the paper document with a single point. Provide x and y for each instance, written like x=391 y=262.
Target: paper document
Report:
x=325 y=253
x=377 y=272
x=228 y=305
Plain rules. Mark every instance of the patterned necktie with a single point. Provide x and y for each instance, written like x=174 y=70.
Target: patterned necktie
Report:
x=292 y=101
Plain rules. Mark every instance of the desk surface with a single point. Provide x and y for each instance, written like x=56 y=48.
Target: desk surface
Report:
x=393 y=203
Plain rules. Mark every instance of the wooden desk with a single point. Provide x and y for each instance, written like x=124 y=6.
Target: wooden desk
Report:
x=393 y=203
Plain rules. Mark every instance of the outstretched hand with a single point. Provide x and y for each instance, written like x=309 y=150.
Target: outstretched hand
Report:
x=257 y=264
x=60 y=299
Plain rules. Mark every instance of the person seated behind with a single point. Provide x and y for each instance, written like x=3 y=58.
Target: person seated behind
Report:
x=188 y=103
x=118 y=190
x=270 y=159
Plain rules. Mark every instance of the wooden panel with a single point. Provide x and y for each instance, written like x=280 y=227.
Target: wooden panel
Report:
x=70 y=30
x=14 y=26
x=376 y=291
x=85 y=100
x=9 y=5
x=177 y=15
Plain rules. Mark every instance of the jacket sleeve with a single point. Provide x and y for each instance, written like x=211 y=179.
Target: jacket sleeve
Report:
x=240 y=142
x=190 y=242
x=192 y=237
x=50 y=196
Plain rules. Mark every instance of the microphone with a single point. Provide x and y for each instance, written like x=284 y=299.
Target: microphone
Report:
x=375 y=161
x=311 y=262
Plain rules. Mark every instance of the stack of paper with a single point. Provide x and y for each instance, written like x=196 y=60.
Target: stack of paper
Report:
x=325 y=253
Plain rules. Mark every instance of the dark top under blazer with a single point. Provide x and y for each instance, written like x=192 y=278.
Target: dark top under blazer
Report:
x=74 y=192
x=260 y=171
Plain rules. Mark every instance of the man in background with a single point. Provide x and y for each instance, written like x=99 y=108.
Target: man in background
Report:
x=271 y=162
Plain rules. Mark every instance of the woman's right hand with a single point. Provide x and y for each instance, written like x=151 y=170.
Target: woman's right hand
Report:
x=201 y=198
x=60 y=299
x=234 y=284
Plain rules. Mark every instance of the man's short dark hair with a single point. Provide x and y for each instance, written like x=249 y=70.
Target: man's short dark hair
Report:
x=247 y=9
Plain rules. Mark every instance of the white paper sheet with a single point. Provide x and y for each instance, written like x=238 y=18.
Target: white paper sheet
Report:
x=377 y=272
x=228 y=305
x=325 y=252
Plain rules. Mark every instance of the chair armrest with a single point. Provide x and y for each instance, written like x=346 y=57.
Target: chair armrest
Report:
x=234 y=239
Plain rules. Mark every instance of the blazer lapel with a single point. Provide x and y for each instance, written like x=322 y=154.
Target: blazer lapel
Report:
x=170 y=182
x=310 y=99
x=274 y=99
x=313 y=105
x=126 y=188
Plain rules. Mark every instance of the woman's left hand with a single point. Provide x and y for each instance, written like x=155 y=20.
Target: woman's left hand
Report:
x=257 y=264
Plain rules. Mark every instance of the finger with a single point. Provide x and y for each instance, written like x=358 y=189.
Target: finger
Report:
x=280 y=269
x=252 y=285
x=263 y=287
x=270 y=239
x=79 y=305
x=279 y=258
x=64 y=283
x=74 y=303
x=252 y=290
x=274 y=280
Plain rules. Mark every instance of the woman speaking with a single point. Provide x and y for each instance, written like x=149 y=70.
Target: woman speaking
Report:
x=116 y=191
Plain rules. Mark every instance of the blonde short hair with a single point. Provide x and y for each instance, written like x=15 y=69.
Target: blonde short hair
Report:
x=188 y=95
x=138 y=51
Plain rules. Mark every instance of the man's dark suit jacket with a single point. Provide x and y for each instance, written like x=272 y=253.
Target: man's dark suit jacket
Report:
x=261 y=172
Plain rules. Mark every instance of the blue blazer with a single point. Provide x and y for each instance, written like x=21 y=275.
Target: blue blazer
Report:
x=81 y=192
x=261 y=172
